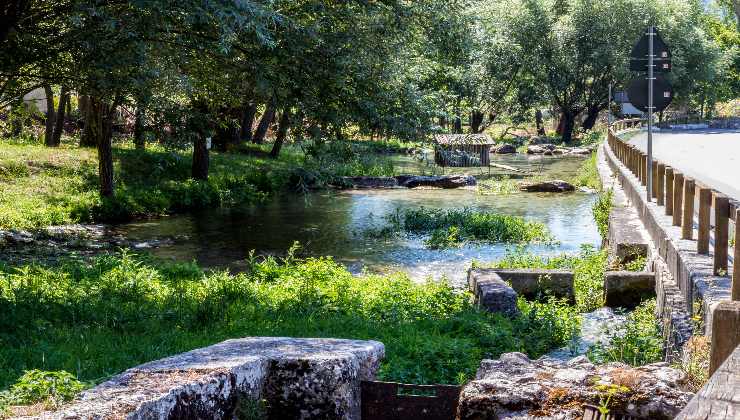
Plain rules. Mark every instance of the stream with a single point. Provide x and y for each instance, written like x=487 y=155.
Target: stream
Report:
x=335 y=223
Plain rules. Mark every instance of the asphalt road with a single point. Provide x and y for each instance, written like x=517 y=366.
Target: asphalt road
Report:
x=712 y=157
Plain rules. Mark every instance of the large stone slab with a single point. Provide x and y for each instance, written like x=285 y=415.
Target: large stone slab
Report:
x=626 y=289
x=531 y=283
x=554 y=186
x=492 y=293
x=441 y=181
x=515 y=387
x=296 y=378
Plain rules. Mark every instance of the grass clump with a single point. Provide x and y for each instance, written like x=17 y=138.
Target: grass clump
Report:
x=601 y=210
x=452 y=227
x=588 y=269
x=637 y=342
x=114 y=312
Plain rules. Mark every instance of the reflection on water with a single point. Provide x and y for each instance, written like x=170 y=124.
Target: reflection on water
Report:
x=333 y=223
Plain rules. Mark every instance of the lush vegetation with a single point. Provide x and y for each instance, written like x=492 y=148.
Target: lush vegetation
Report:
x=453 y=227
x=232 y=73
x=588 y=269
x=95 y=319
x=636 y=342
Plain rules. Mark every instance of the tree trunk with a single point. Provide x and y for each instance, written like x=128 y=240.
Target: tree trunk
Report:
x=92 y=122
x=49 y=133
x=267 y=117
x=201 y=162
x=457 y=127
x=476 y=119
x=96 y=130
x=539 y=123
x=282 y=133
x=139 y=129
x=56 y=138
x=245 y=132
x=591 y=117
x=568 y=121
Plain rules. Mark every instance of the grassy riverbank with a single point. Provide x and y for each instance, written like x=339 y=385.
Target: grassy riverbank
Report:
x=96 y=319
x=44 y=186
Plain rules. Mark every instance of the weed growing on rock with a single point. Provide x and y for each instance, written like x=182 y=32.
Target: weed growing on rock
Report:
x=36 y=386
x=637 y=342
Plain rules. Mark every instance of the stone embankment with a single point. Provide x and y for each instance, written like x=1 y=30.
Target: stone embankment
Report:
x=515 y=387
x=286 y=378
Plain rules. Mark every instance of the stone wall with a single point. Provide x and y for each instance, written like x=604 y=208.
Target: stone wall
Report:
x=282 y=378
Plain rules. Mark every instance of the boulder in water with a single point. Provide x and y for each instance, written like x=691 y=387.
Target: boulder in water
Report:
x=505 y=149
x=555 y=185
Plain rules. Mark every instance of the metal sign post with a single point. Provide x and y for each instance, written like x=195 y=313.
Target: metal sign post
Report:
x=651 y=109
x=644 y=58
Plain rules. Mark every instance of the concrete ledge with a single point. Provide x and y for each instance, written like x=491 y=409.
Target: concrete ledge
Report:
x=530 y=283
x=298 y=379
x=626 y=289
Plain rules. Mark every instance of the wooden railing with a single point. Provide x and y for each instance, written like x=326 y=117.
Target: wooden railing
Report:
x=680 y=195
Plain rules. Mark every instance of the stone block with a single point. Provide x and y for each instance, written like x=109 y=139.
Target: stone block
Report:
x=533 y=283
x=297 y=378
x=626 y=289
x=515 y=387
x=493 y=294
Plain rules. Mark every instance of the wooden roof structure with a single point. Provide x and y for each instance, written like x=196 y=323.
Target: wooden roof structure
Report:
x=464 y=139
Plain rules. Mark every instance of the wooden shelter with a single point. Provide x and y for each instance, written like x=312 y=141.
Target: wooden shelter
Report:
x=462 y=150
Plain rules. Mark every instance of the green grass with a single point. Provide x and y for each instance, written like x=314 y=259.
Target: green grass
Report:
x=637 y=342
x=452 y=227
x=98 y=318
x=588 y=174
x=588 y=269
x=52 y=186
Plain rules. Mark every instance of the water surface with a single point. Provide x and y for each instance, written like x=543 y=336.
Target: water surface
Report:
x=335 y=223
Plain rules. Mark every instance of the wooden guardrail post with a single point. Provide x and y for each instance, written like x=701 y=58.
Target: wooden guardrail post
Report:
x=736 y=262
x=677 y=197
x=654 y=171
x=687 y=224
x=705 y=216
x=725 y=333
x=660 y=184
x=721 y=233
x=668 y=191
x=643 y=168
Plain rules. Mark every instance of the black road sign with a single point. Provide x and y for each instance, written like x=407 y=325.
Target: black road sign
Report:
x=641 y=51
x=662 y=94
